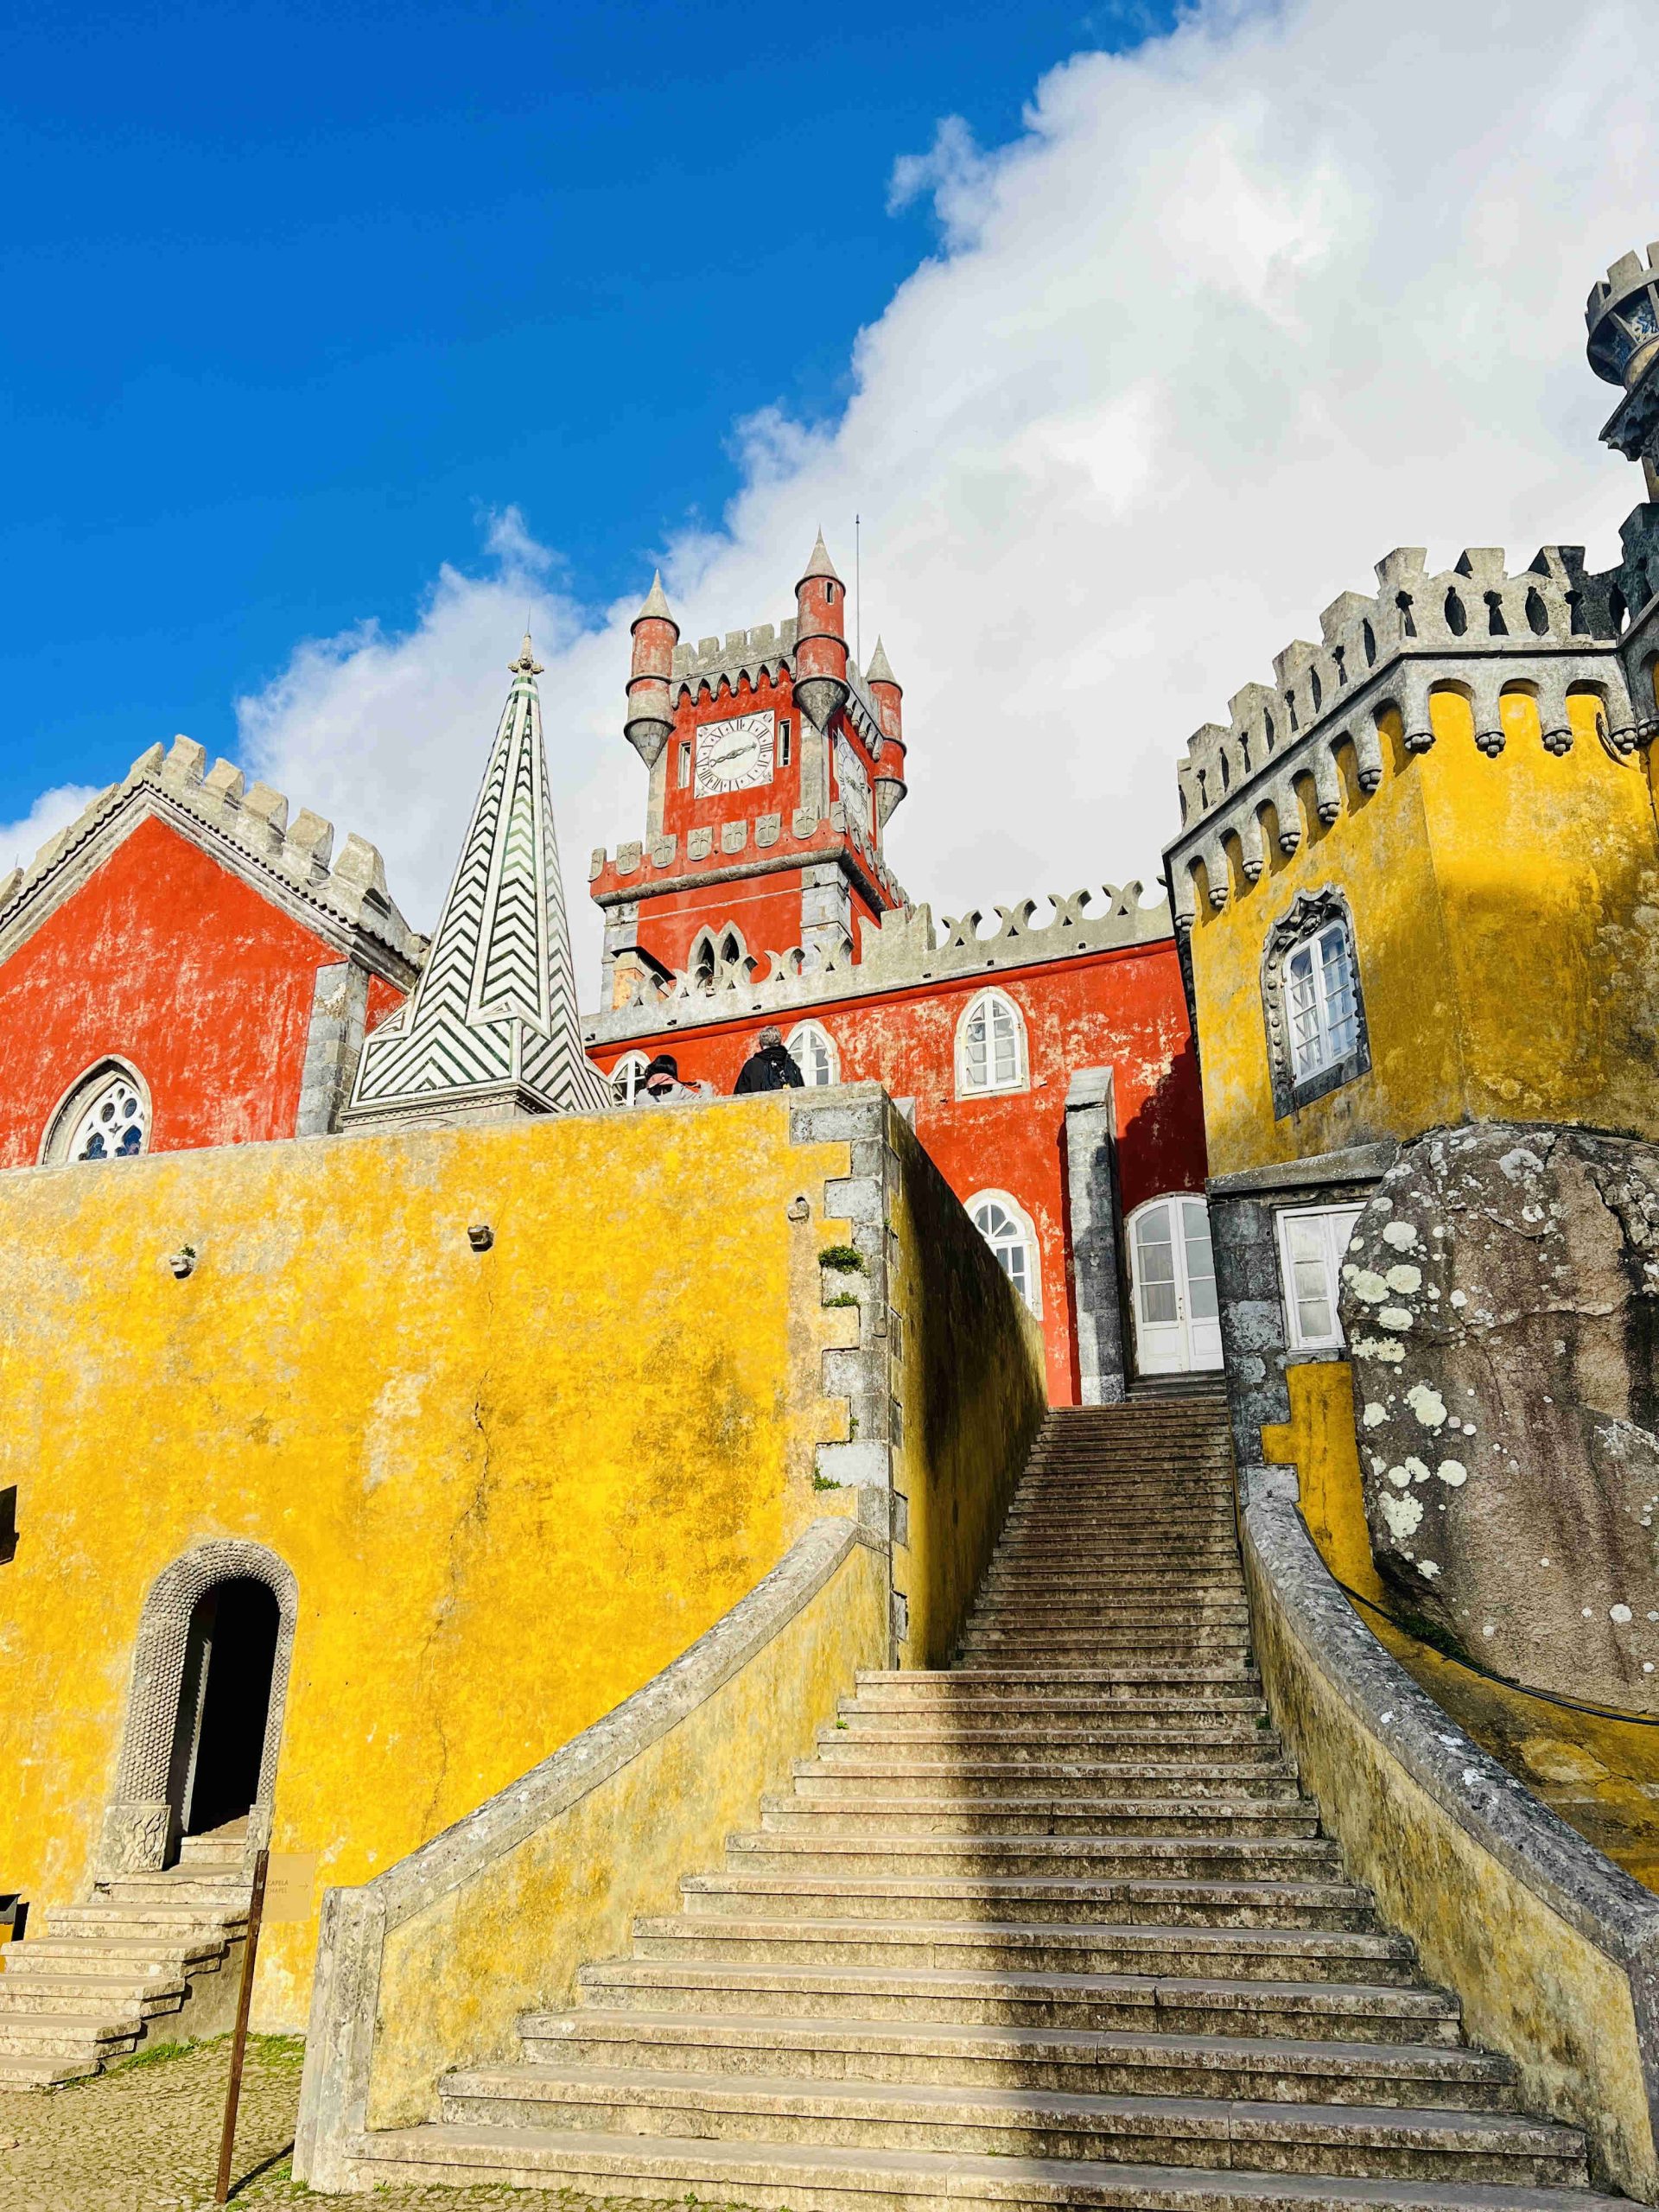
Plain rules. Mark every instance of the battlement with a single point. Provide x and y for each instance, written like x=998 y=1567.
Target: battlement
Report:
x=296 y=858
x=1549 y=631
x=764 y=653
x=644 y=865
x=901 y=949
x=1475 y=622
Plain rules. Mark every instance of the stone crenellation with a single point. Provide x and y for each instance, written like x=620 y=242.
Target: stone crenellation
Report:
x=765 y=652
x=298 y=854
x=904 y=947
x=1553 y=628
x=660 y=856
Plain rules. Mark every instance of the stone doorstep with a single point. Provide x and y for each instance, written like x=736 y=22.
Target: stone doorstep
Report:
x=1470 y=2143
x=829 y=2178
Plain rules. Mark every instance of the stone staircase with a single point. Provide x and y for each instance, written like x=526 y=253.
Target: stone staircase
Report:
x=1054 y=1928
x=150 y=1958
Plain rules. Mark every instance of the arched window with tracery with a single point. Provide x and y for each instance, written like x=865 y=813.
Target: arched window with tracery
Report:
x=626 y=1077
x=990 y=1045
x=1006 y=1228
x=813 y=1050
x=105 y=1116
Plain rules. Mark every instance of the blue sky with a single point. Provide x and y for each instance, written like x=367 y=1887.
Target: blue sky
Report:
x=295 y=293
x=335 y=339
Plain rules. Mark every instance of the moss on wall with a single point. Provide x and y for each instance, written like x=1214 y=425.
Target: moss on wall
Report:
x=1601 y=1776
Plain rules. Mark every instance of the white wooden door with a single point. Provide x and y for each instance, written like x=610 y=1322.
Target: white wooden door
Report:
x=1173 y=1279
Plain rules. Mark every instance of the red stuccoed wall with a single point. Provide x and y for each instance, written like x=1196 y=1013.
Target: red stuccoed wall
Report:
x=173 y=963
x=1124 y=1010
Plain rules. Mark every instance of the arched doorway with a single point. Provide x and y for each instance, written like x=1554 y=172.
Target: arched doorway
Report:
x=1172 y=1284
x=205 y=1712
x=218 y=1741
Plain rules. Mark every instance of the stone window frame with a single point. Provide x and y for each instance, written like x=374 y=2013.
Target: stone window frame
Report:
x=62 y=1121
x=1027 y=1229
x=1311 y=912
x=817 y=1031
x=140 y=1823
x=992 y=994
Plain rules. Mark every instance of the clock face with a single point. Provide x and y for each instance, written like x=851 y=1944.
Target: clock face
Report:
x=852 y=784
x=734 y=756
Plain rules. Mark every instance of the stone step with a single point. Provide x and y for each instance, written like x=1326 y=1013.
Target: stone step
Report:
x=976 y=1819
x=1270 y=1954
x=1007 y=1780
x=1198 y=1691
x=1164 y=1903
x=1372 y=2141
x=90 y=1996
x=209 y=1895
x=185 y=1921
x=1176 y=1618
x=1060 y=1645
x=1240 y=1743
x=69 y=2035
x=1125 y=2063
x=1141 y=1729
x=1222 y=1706
x=21 y=2070
x=1101 y=1582
x=1188 y=1858
x=1197 y=2004
x=59 y=1954
x=827 y=2178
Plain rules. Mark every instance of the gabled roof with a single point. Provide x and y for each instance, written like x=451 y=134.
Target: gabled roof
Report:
x=493 y=1024
x=246 y=828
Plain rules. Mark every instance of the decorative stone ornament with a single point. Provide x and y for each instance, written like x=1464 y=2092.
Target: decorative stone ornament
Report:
x=491 y=1029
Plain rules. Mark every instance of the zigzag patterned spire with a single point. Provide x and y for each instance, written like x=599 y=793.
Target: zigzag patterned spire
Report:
x=492 y=1026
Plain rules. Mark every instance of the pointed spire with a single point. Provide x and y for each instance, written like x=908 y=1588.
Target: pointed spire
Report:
x=878 y=671
x=491 y=1028
x=820 y=564
x=656 y=605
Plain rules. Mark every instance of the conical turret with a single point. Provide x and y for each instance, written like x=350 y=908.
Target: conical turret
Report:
x=821 y=638
x=491 y=1028
x=887 y=692
x=651 y=714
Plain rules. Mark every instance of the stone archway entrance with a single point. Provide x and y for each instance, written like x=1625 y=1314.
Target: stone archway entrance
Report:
x=205 y=1712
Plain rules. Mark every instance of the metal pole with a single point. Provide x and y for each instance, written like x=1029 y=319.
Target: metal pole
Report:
x=239 y=2034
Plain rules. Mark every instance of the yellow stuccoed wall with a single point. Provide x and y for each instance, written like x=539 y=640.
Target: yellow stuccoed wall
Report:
x=510 y=1485
x=1493 y=900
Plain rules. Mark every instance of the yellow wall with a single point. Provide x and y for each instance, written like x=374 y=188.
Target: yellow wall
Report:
x=970 y=1378
x=511 y=1485
x=1495 y=901
x=1601 y=1776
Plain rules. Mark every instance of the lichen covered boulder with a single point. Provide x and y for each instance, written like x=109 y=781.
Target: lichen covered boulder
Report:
x=1500 y=1299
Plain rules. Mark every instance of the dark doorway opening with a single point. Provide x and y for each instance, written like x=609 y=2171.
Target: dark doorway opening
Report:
x=224 y=1705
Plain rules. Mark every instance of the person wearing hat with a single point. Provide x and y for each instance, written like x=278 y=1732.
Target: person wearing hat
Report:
x=660 y=1085
x=769 y=1067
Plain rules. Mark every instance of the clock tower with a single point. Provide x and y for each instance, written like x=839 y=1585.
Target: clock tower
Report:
x=775 y=766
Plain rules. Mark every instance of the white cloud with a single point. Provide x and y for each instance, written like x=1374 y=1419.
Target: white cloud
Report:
x=1235 y=314
x=54 y=811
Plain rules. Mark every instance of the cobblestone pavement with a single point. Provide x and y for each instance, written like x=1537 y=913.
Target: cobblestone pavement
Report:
x=144 y=2138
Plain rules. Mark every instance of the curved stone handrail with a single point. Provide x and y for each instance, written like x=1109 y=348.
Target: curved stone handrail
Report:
x=348 y=2016
x=1554 y=1950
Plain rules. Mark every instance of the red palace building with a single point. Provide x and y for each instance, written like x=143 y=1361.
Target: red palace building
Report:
x=1048 y=1068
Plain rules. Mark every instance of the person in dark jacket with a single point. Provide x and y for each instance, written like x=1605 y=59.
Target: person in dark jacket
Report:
x=769 y=1066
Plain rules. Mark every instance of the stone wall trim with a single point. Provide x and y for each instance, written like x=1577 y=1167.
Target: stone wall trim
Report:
x=1292 y=1592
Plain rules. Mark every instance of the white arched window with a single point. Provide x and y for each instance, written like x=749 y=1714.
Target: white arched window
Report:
x=813 y=1050
x=105 y=1116
x=626 y=1077
x=1006 y=1228
x=990 y=1045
